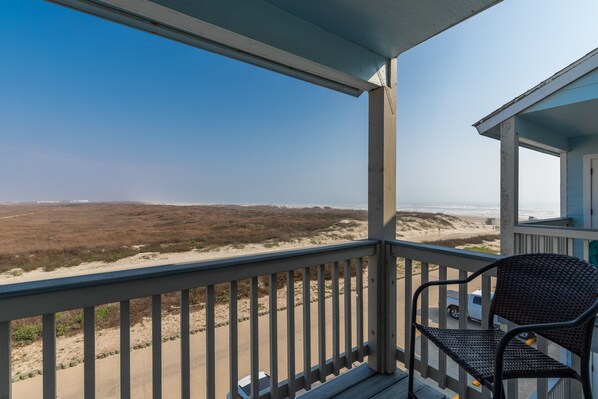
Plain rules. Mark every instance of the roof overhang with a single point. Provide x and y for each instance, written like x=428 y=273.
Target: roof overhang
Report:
x=547 y=128
x=344 y=45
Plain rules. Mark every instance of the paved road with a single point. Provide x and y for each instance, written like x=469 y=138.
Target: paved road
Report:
x=70 y=381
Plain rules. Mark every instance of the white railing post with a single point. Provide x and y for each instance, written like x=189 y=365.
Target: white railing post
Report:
x=509 y=185
x=5 y=360
x=382 y=222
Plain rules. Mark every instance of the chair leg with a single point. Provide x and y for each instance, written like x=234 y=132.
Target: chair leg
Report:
x=411 y=362
x=498 y=390
x=585 y=379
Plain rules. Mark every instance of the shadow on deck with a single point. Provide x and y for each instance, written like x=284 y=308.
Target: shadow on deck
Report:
x=362 y=382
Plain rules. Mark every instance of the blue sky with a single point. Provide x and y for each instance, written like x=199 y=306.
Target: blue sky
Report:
x=93 y=110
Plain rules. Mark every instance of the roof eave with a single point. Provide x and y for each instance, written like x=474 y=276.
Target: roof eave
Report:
x=572 y=72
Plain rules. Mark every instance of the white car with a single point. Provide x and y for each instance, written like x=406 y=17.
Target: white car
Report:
x=244 y=389
x=474 y=308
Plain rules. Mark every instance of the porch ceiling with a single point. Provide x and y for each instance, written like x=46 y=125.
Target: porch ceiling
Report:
x=571 y=120
x=548 y=130
x=341 y=44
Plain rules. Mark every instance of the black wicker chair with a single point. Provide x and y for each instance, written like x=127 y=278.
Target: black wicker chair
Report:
x=551 y=295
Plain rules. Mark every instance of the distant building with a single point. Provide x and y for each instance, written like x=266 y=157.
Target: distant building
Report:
x=491 y=221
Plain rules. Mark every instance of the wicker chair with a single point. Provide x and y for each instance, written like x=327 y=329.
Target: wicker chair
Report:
x=551 y=295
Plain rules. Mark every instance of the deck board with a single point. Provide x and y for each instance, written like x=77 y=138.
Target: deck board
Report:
x=338 y=385
x=362 y=383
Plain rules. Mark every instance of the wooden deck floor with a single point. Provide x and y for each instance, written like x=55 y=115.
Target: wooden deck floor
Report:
x=364 y=383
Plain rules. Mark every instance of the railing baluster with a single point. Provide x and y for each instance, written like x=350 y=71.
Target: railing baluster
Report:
x=89 y=352
x=125 y=350
x=210 y=345
x=347 y=313
x=321 y=324
x=408 y=300
x=442 y=292
x=291 y=331
x=462 y=325
x=541 y=246
x=273 y=337
x=306 y=329
x=425 y=316
x=49 y=355
x=254 y=338
x=359 y=306
x=157 y=346
x=335 y=321
x=5 y=360
x=486 y=299
x=185 y=346
x=586 y=250
x=569 y=246
x=233 y=338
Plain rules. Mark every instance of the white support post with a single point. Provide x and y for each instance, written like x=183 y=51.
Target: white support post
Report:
x=509 y=185
x=563 y=157
x=382 y=311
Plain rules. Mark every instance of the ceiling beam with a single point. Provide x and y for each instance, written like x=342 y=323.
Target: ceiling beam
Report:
x=272 y=38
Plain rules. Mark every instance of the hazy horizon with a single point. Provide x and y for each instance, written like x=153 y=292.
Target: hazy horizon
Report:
x=538 y=210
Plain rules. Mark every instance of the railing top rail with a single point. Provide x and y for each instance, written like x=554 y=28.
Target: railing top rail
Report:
x=556 y=231
x=53 y=295
x=546 y=222
x=460 y=259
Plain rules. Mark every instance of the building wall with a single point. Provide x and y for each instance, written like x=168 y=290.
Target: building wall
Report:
x=579 y=147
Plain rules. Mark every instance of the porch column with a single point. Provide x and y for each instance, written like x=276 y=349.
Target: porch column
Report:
x=509 y=185
x=564 y=183
x=382 y=164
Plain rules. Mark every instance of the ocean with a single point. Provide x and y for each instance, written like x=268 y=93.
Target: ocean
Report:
x=538 y=211
x=525 y=212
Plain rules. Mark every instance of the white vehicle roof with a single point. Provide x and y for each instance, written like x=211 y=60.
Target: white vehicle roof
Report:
x=479 y=293
x=247 y=379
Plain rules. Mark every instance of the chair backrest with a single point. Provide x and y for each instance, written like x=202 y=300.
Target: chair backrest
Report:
x=547 y=288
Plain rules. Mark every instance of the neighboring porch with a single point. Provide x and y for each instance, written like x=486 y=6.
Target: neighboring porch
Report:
x=558 y=117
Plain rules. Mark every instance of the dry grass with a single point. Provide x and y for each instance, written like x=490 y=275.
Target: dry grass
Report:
x=52 y=236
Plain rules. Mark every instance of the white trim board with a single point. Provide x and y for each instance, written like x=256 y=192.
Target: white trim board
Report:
x=587 y=189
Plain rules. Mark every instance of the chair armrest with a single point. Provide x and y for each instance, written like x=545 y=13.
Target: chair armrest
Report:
x=504 y=341
x=424 y=286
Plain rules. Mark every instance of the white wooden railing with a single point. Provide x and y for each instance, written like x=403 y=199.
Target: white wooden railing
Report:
x=415 y=263
x=47 y=298
x=530 y=238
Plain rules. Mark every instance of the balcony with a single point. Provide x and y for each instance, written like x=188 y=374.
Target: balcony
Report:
x=326 y=349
